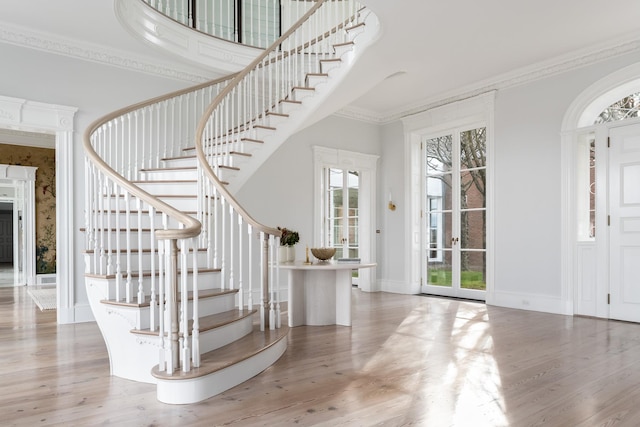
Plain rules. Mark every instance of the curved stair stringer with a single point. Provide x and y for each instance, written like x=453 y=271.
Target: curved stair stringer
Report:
x=300 y=116
x=115 y=324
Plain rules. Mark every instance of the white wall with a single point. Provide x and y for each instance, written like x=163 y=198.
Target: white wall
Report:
x=95 y=90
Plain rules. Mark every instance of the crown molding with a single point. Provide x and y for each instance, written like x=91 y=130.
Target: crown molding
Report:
x=518 y=77
x=20 y=36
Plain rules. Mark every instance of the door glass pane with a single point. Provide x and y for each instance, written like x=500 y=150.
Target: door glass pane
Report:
x=334 y=209
x=439 y=154
x=472 y=229
x=439 y=269
x=439 y=231
x=473 y=148
x=472 y=189
x=439 y=186
x=353 y=185
x=473 y=270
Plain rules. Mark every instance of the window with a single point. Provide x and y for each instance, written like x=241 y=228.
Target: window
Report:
x=623 y=109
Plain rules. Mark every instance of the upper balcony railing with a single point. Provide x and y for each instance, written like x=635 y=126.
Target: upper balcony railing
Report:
x=255 y=23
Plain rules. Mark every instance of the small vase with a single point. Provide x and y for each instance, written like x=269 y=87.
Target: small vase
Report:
x=283 y=253
x=291 y=253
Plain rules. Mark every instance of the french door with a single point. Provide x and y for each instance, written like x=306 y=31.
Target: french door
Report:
x=342 y=209
x=624 y=222
x=454 y=224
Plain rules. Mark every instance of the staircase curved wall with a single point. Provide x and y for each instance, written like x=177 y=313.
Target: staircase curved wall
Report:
x=146 y=23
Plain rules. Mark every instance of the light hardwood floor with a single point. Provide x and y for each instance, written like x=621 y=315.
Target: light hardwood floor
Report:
x=407 y=360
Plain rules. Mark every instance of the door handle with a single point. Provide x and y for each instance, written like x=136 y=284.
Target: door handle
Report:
x=454 y=240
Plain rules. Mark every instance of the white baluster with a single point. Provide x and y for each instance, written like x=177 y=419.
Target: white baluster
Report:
x=272 y=311
x=195 y=334
x=263 y=290
x=250 y=267
x=152 y=242
x=162 y=365
x=127 y=203
x=223 y=238
x=231 y=252
x=241 y=257
x=140 y=294
x=184 y=318
x=116 y=197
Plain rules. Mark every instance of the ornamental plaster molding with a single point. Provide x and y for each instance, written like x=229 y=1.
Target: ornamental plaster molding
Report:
x=20 y=36
x=21 y=114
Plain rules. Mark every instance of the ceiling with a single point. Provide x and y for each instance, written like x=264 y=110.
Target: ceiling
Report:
x=428 y=51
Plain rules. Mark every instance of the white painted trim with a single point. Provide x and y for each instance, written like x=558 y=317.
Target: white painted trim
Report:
x=30 y=116
x=523 y=301
x=366 y=164
x=398 y=287
x=478 y=110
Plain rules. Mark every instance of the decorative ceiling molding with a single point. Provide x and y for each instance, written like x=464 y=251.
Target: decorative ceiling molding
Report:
x=20 y=36
x=518 y=77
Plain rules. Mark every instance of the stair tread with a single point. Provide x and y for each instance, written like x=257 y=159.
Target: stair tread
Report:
x=209 y=322
x=229 y=355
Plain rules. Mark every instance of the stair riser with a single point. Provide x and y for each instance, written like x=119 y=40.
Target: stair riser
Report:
x=145 y=262
x=288 y=107
x=169 y=188
x=206 y=280
x=327 y=66
x=138 y=239
x=118 y=221
x=301 y=94
x=189 y=204
x=181 y=163
x=170 y=174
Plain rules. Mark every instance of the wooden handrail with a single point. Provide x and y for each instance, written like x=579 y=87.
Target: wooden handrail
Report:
x=192 y=225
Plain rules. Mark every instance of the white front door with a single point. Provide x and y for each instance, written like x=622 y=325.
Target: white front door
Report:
x=624 y=230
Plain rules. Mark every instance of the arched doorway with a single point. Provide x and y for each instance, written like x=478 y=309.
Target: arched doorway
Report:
x=599 y=207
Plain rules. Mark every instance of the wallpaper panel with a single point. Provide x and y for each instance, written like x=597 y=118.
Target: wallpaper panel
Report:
x=45 y=188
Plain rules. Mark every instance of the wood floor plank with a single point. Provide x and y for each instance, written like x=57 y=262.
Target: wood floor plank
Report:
x=407 y=360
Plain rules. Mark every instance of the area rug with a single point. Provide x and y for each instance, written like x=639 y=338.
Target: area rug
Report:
x=45 y=298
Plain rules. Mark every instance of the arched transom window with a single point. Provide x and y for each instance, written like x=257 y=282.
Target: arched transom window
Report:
x=625 y=108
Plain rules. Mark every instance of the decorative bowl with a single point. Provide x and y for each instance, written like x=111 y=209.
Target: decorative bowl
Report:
x=323 y=254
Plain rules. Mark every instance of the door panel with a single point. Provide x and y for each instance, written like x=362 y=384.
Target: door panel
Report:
x=624 y=230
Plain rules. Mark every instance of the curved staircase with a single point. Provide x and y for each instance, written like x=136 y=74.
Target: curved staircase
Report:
x=181 y=279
